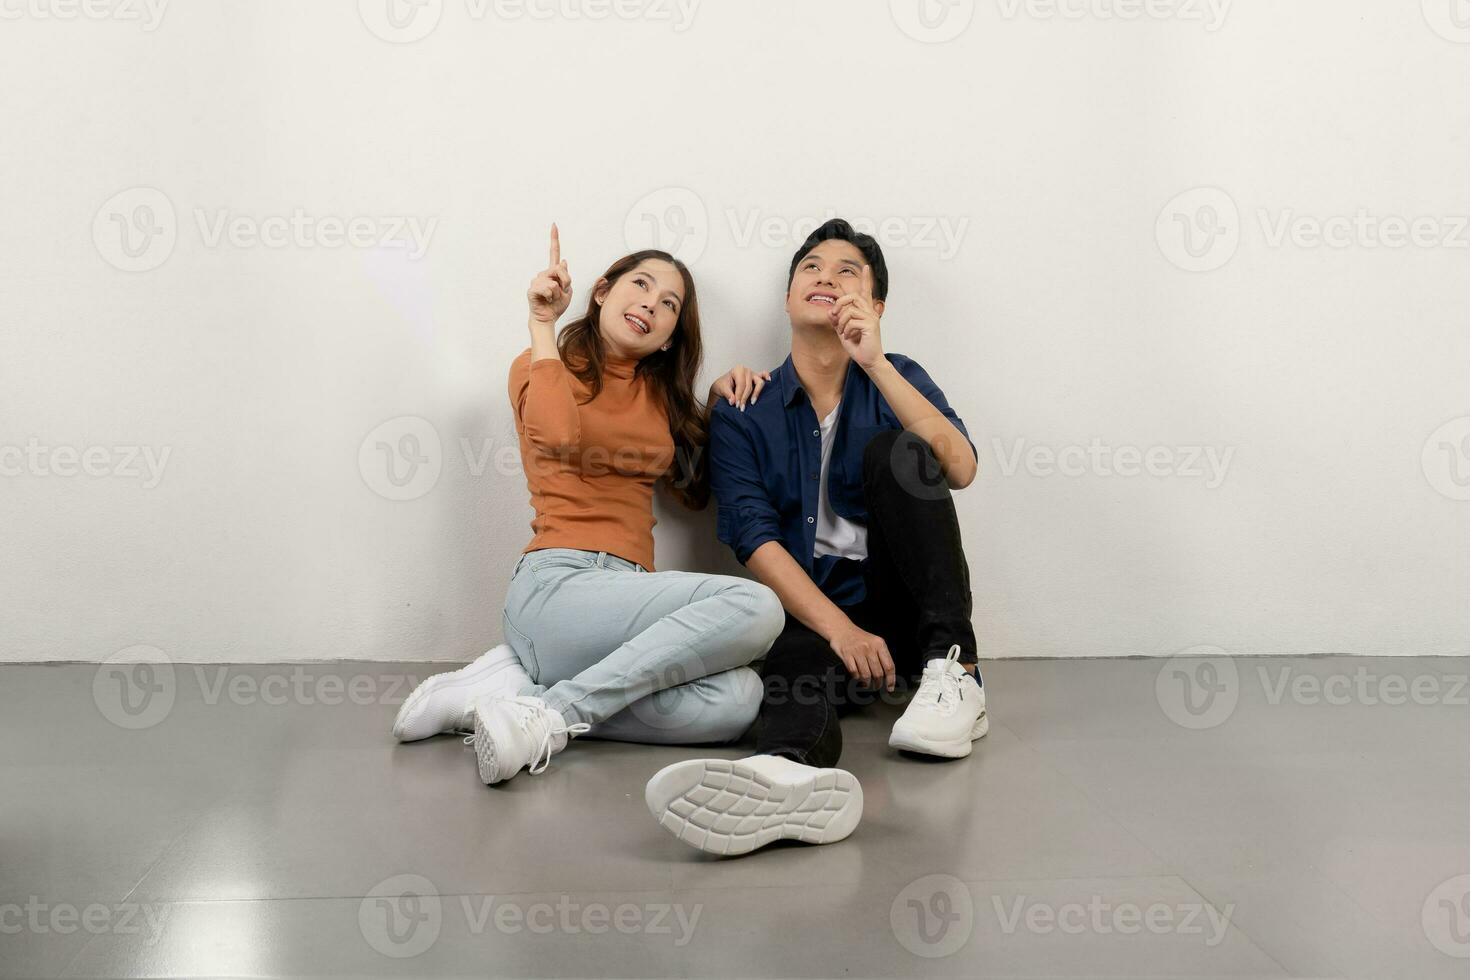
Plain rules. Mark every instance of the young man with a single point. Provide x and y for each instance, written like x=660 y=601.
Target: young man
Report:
x=834 y=489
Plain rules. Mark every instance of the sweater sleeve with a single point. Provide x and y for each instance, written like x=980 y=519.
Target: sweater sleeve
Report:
x=544 y=404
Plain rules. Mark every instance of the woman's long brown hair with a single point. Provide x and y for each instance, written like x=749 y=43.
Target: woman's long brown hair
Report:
x=669 y=373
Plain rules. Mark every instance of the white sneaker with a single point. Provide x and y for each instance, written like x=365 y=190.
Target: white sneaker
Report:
x=947 y=713
x=733 y=807
x=445 y=703
x=512 y=733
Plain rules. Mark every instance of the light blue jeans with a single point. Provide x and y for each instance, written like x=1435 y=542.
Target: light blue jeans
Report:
x=657 y=657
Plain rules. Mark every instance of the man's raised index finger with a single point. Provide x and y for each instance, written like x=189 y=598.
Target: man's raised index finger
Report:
x=555 y=246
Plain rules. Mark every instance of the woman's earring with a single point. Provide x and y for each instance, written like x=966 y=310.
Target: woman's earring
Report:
x=666 y=346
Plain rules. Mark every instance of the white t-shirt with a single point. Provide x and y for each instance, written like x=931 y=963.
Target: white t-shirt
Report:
x=836 y=535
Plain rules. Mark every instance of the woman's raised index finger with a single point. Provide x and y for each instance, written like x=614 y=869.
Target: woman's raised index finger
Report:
x=555 y=246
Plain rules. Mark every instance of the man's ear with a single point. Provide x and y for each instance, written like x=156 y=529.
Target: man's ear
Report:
x=878 y=305
x=600 y=291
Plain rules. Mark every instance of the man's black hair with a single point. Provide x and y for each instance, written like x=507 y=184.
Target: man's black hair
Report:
x=840 y=231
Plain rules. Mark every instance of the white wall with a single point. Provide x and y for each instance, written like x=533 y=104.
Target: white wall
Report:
x=1049 y=146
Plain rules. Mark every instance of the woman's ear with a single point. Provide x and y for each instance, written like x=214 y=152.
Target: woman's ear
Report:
x=600 y=291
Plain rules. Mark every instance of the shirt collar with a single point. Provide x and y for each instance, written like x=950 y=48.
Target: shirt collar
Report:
x=791 y=382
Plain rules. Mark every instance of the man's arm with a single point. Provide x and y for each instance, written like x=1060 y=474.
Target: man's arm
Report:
x=918 y=414
x=749 y=524
x=864 y=654
x=775 y=567
x=857 y=319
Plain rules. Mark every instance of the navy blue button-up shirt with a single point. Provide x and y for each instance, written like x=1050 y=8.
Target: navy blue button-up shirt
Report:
x=766 y=463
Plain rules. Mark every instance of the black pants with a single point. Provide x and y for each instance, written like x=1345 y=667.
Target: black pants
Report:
x=918 y=601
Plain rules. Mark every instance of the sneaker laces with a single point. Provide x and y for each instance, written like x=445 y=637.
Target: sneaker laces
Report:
x=542 y=758
x=944 y=681
x=545 y=731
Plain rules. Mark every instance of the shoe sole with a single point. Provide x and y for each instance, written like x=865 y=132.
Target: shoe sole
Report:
x=485 y=754
x=728 y=808
x=957 y=749
x=428 y=687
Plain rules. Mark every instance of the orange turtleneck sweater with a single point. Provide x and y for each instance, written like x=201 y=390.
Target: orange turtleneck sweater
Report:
x=590 y=466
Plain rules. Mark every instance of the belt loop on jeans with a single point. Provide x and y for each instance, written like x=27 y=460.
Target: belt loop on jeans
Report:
x=601 y=561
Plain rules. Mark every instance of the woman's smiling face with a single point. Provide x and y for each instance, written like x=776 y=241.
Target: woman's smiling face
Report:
x=641 y=310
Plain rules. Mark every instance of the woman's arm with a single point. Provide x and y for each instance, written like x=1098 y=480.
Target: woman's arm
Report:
x=540 y=385
x=544 y=403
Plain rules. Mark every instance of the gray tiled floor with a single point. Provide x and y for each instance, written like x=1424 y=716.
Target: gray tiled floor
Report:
x=1089 y=835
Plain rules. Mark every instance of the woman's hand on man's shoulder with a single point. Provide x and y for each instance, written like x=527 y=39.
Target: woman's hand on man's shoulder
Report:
x=740 y=386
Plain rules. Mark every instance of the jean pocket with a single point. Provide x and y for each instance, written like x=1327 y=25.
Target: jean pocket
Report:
x=524 y=649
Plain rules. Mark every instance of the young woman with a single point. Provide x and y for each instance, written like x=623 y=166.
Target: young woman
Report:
x=597 y=640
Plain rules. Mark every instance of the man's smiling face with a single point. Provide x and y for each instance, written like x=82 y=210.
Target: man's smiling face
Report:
x=828 y=272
